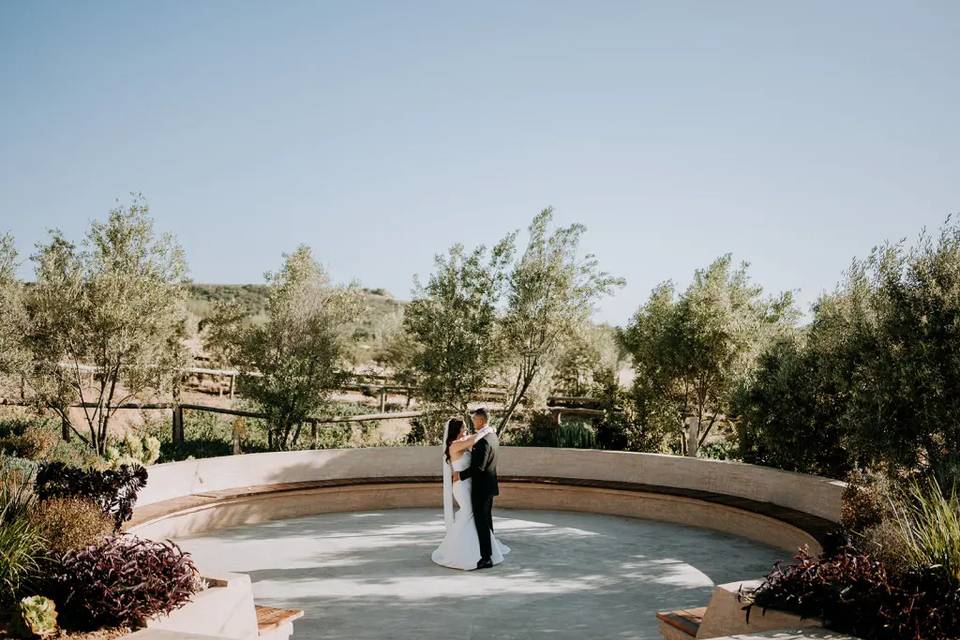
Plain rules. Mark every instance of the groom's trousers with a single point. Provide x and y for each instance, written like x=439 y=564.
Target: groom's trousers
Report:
x=483 y=519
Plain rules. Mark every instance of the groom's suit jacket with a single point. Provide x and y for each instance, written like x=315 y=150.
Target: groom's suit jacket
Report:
x=483 y=467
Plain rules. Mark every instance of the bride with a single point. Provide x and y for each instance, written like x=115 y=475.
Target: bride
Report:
x=460 y=548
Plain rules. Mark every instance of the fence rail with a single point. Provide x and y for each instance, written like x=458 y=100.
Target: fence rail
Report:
x=558 y=405
x=380 y=384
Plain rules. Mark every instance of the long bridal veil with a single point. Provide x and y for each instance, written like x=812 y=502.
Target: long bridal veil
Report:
x=447 y=483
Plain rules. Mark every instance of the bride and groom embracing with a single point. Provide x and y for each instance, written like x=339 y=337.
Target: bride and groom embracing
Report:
x=470 y=477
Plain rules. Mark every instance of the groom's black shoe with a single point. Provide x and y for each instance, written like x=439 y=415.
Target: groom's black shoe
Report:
x=485 y=563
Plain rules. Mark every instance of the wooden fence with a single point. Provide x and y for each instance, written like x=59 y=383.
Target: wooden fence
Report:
x=367 y=383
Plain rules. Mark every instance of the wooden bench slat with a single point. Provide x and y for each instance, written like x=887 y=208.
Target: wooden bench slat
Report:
x=272 y=617
x=686 y=620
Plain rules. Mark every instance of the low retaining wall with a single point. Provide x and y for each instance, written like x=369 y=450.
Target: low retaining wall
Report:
x=804 y=493
x=775 y=507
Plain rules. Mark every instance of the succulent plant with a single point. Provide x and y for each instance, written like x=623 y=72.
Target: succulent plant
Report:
x=35 y=616
x=133 y=450
x=123 y=580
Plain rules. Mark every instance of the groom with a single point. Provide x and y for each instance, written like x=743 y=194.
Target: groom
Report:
x=483 y=470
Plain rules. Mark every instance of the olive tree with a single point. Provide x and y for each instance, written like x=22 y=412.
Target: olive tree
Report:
x=13 y=355
x=396 y=350
x=874 y=380
x=691 y=351
x=587 y=358
x=453 y=319
x=291 y=362
x=551 y=291
x=104 y=319
x=786 y=409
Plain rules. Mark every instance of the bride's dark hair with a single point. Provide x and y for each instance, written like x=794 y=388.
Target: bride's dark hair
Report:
x=454 y=427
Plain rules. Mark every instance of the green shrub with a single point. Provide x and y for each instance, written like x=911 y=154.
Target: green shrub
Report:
x=329 y=437
x=882 y=541
x=35 y=616
x=70 y=523
x=39 y=438
x=720 y=450
x=15 y=425
x=33 y=444
x=865 y=502
x=113 y=490
x=20 y=542
x=543 y=431
x=927 y=524
x=206 y=435
x=787 y=410
x=427 y=429
x=20 y=546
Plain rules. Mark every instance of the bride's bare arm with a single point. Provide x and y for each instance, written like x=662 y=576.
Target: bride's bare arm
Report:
x=459 y=445
x=466 y=443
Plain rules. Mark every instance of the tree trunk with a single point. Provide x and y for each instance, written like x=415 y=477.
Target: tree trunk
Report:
x=513 y=405
x=65 y=431
x=237 y=449
x=692 y=434
x=296 y=435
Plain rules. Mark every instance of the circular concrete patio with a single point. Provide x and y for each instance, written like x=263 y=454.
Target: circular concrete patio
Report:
x=571 y=575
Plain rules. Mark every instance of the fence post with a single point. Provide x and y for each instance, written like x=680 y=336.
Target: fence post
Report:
x=177 y=424
x=232 y=379
x=313 y=433
x=383 y=399
x=238 y=425
x=65 y=428
x=177 y=415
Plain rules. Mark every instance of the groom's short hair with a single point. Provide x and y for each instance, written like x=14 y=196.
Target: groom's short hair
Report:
x=482 y=413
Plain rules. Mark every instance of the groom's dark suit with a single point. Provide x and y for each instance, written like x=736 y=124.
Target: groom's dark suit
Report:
x=483 y=471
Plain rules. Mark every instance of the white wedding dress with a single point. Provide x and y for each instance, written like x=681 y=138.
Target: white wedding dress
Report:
x=460 y=548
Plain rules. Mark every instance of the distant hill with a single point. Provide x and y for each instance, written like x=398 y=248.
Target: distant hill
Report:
x=384 y=312
x=201 y=298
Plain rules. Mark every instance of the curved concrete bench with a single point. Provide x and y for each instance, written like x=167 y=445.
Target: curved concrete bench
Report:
x=774 y=507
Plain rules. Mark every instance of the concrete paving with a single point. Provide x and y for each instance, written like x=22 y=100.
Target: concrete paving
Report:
x=570 y=575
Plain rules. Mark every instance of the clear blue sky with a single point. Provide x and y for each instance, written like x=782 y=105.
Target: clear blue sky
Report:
x=794 y=135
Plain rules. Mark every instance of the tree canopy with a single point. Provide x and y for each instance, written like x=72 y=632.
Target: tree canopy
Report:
x=875 y=378
x=453 y=319
x=690 y=351
x=105 y=319
x=290 y=363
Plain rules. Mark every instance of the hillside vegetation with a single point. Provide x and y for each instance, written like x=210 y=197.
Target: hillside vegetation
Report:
x=382 y=312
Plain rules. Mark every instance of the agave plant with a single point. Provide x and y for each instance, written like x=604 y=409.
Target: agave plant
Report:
x=35 y=616
x=133 y=450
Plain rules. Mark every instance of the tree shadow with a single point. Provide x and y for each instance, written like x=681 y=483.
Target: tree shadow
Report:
x=570 y=575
